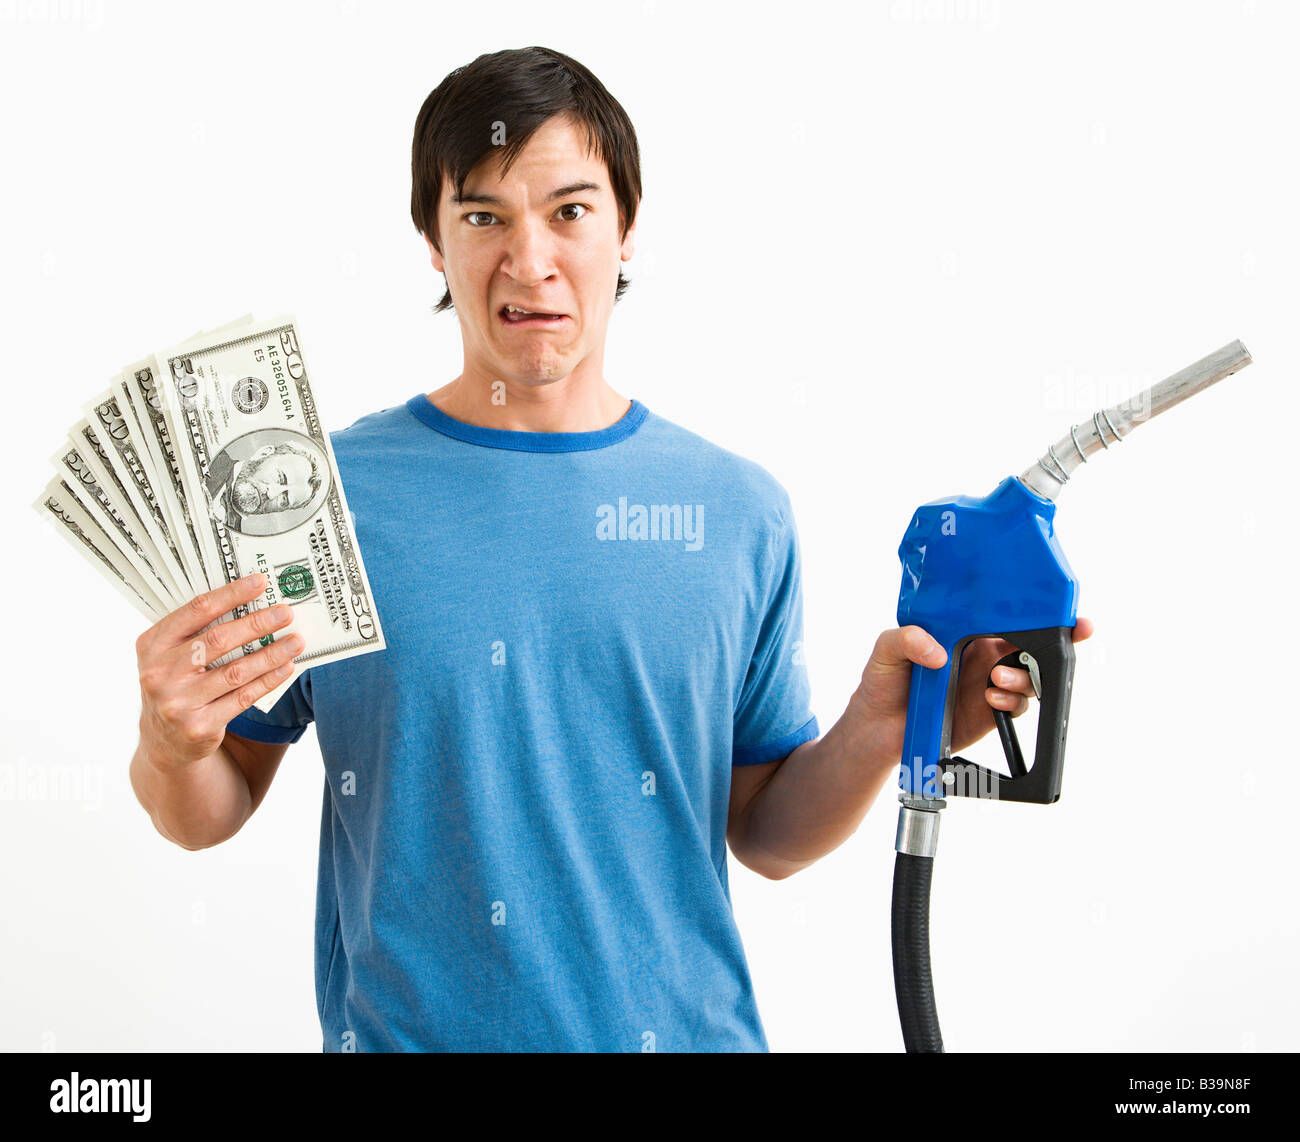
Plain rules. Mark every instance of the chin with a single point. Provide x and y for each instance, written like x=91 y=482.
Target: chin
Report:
x=544 y=375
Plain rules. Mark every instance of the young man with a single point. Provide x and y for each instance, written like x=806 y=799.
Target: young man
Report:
x=593 y=680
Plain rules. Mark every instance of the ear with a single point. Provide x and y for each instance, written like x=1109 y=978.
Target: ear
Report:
x=434 y=256
x=628 y=248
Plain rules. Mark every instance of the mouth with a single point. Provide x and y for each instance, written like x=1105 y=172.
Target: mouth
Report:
x=518 y=318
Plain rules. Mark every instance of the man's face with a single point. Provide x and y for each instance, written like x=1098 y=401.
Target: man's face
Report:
x=272 y=483
x=520 y=242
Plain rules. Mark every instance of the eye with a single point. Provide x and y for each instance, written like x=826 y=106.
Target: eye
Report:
x=283 y=478
x=488 y=214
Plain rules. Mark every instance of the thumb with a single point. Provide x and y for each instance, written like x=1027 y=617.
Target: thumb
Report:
x=896 y=650
x=888 y=673
x=904 y=646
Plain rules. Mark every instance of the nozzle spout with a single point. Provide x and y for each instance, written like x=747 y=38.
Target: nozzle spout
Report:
x=1108 y=425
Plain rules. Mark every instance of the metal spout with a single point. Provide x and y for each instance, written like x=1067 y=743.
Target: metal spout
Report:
x=1110 y=425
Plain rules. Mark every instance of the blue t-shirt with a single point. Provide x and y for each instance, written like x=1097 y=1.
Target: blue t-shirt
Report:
x=523 y=839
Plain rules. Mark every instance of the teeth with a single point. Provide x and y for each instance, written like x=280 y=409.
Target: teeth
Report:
x=527 y=312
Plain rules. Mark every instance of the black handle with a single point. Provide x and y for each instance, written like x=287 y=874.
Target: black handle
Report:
x=1053 y=650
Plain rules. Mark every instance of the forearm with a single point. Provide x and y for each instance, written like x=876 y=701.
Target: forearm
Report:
x=817 y=797
x=194 y=804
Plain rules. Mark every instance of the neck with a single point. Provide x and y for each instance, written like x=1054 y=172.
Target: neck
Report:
x=570 y=404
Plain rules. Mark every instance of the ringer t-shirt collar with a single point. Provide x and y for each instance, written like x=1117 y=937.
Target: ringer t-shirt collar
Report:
x=428 y=413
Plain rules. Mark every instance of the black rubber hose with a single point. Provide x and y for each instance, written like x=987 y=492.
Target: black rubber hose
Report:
x=910 y=930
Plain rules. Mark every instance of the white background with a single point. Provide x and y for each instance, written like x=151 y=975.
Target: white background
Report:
x=888 y=250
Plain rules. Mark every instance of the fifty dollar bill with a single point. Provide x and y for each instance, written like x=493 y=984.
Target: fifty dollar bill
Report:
x=261 y=486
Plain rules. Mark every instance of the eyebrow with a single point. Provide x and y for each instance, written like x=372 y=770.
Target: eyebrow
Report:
x=559 y=192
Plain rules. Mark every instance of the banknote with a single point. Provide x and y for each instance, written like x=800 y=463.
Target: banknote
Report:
x=117 y=444
x=59 y=506
x=95 y=493
x=262 y=487
x=139 y=395
x=206 y=462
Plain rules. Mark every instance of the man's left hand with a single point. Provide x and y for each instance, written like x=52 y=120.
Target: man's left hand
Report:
x=882 y=695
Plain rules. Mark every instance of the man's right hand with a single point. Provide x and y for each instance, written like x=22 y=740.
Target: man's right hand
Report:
x=184 y=706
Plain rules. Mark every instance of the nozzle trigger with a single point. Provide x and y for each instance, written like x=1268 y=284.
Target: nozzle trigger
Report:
x=1036 y=679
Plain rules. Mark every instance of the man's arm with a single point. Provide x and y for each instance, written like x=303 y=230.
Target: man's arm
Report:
x=746 y=781
x=205 y=802
x=785 y=815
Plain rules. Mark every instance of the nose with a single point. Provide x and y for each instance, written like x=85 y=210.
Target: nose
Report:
x=531 y=253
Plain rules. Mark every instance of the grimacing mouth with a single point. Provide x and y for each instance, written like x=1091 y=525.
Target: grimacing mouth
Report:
x=539 y=312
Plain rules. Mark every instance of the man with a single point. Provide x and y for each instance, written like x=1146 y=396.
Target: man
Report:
x=587 y=694
x=261 y=488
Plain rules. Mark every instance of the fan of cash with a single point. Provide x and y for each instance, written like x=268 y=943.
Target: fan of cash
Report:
x=208 y=462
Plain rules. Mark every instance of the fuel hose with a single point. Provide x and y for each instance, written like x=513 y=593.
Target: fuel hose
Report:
x=918 y=834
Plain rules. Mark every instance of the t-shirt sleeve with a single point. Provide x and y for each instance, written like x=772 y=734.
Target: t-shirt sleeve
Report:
x=774 y=713
x=287 y=720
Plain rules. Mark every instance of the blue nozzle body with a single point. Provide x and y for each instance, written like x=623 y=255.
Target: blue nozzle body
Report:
x=974 y=567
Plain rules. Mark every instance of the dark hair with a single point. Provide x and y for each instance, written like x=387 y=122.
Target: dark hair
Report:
x=521 y=88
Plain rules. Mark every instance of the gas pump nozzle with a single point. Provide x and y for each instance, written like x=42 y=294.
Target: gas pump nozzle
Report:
x=992 y=567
